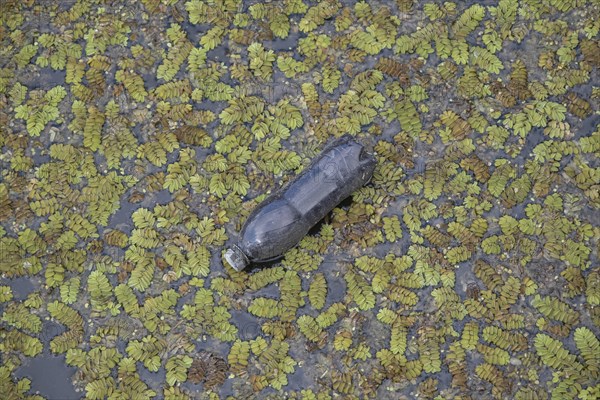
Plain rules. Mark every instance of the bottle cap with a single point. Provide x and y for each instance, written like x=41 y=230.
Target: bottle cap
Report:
x=236 y=258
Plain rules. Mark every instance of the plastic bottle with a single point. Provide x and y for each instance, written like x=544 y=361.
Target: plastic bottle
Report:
x=285 y=217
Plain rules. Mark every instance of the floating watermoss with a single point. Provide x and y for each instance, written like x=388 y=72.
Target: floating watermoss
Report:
x=438 y=279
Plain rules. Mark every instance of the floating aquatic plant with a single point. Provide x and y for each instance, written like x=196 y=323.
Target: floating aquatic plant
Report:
x=481 y=203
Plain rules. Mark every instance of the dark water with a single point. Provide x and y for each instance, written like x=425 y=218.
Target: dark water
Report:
x=50 y=377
